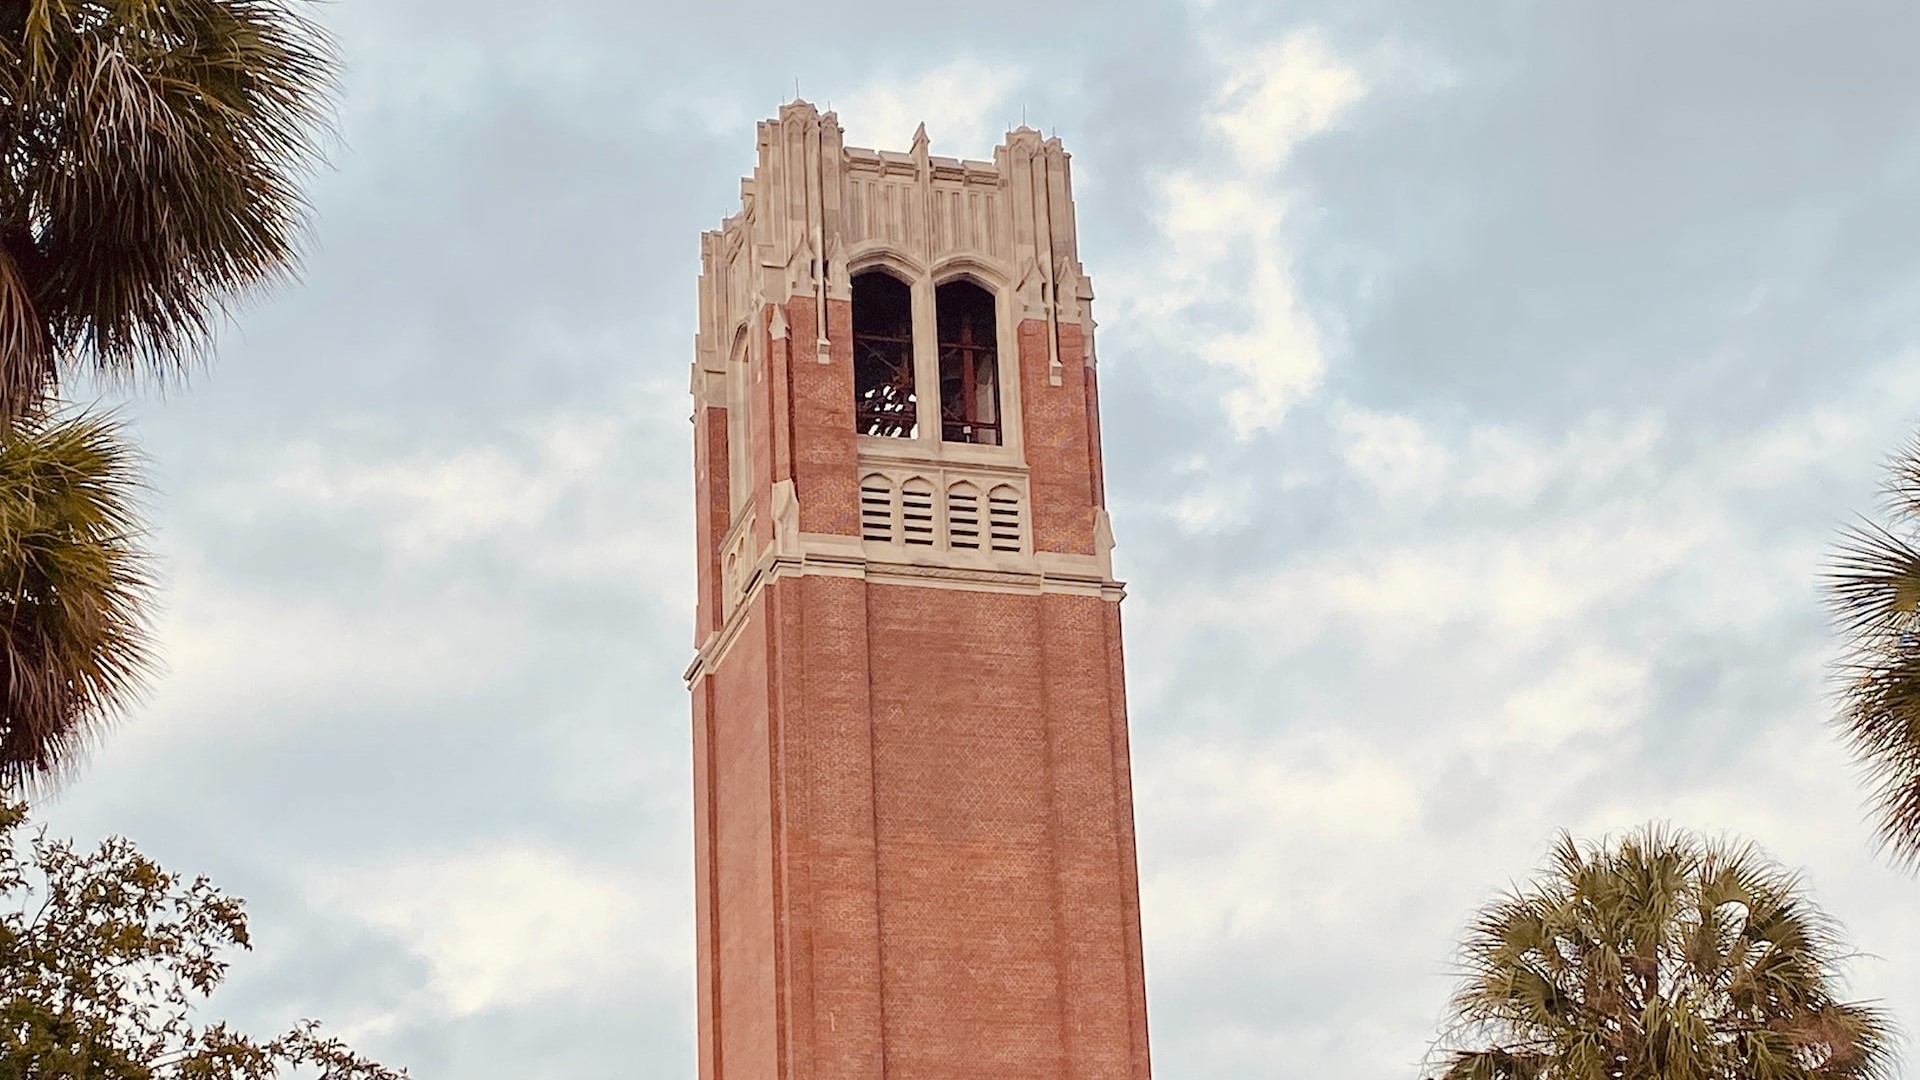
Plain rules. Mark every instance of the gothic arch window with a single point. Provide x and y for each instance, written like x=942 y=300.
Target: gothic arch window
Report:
x=969 y=364
x=883 y=391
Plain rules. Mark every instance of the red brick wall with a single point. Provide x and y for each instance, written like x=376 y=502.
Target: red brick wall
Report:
x=1054 y=422
x=1082 y=718
x=739 y=770
x=704 y=895
x=712 y=503
x=1129 y=858
x=831 y=912
x=921 y=846
x=962 y=796
x=1097 y=479
x=824 y=460
x=913 y=825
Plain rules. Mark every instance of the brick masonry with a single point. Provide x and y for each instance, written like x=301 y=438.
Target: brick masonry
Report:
x=913 y=821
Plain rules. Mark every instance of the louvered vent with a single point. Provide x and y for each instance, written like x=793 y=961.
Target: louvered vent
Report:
x=916 y=512
x=876 y=509
x=1003 y=519
x=963 y=517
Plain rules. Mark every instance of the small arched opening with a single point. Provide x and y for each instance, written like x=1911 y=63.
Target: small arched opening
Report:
x=883 y=391
x=969 y=364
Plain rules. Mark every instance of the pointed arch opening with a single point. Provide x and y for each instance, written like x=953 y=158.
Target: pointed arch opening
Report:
x=969 y=363
x=1003 y=519
x=916 y=512
x=963 y=516
x=876 y=508
x=883 y=390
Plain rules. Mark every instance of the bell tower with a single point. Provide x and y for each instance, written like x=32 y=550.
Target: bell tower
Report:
x=914 y=814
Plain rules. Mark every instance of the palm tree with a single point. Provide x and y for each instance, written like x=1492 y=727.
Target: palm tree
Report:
x=73 y=603
x=1658 y=956
x=1873 y=590
x=151 y=153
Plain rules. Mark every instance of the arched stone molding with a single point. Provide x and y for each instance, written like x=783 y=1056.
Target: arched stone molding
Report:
x=881 y=257
x=990 y=274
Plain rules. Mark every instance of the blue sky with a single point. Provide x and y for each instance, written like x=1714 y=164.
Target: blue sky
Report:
x=1483 y=382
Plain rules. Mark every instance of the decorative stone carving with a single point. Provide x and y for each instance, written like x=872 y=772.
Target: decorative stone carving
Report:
x=991 y=525
x=1103 y=542
x=814 y=206
x=786 y=520
x=814 y=211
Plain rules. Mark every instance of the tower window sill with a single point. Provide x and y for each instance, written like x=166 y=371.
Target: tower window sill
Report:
x=880 y=448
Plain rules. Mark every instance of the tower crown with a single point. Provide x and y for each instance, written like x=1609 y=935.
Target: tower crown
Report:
x=912 y=802
x=886 y=339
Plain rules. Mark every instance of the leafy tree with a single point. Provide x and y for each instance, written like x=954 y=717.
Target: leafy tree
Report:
x=1659 y=955
x=1873 y=590
x=103 y=958
x=150 y=159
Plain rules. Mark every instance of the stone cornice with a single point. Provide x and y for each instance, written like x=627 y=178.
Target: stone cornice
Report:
x=821 y=555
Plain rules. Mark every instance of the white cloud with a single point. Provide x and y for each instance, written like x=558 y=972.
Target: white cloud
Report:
x=1213 y=505
x=428 y=503
x=1592 y=690
x=1403 y=591
x=1473 y=684
x=1223 y=228
x=244 y=648
x=1395 y=454
x=511 y=925
x=1282 y=93
x=1277 y=799
x=964 y=103
x=1327 y=785
x=564 y=468
x=433 y=502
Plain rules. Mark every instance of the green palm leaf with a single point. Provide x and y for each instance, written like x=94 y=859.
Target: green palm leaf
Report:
x=150 y=158
x=1872 y=585
x=74 y=592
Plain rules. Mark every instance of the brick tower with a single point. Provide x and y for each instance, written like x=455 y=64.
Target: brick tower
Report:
x=914 y=817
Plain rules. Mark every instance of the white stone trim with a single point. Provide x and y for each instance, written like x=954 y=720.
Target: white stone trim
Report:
x=815 y=210
x=813 y=213
x=985 y=546
x=826 y=555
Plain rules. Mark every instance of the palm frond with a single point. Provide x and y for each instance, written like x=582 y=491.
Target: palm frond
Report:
x=75 y=593
x=151 y=153
x=1872 y=587
x=154 y=151
x=1872 y=582
x=28 y=372
x=1495 y=1065
x=1900 y=491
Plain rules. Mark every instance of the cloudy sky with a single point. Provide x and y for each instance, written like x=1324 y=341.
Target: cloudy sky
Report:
x=1483 y=382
